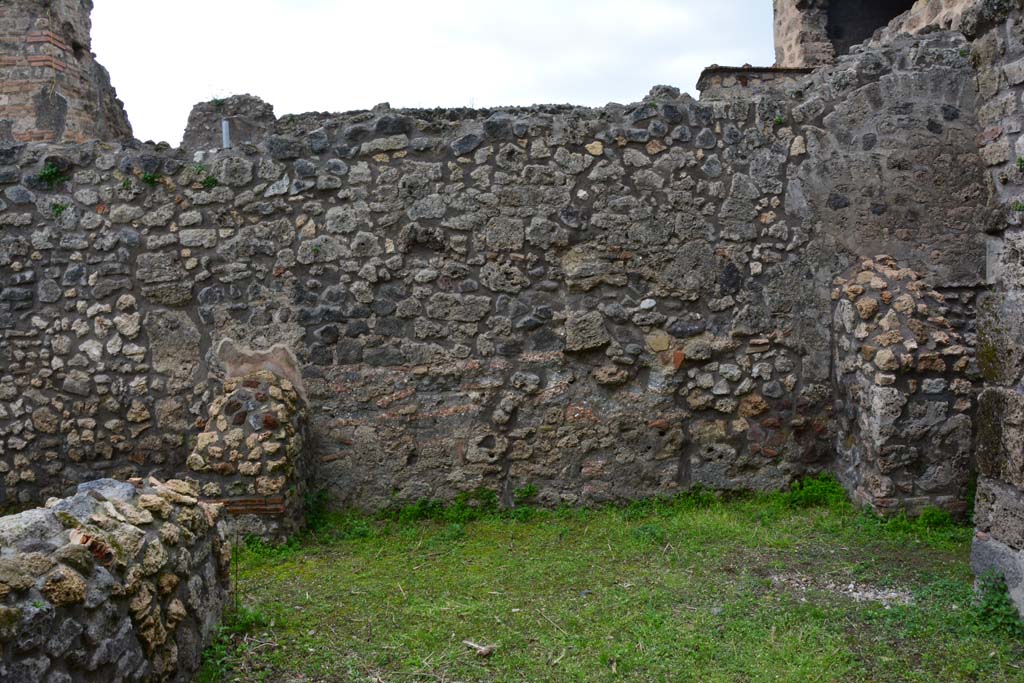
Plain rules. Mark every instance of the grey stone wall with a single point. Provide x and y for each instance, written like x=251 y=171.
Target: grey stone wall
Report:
x=119 y=582
x=604 y=303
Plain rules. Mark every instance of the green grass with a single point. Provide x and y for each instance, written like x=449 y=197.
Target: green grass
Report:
x=691 y=589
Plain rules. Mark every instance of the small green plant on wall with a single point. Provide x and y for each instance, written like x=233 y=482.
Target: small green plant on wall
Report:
x=204 y=177
x=58 y=210
x=151 y=179
x=51 y=175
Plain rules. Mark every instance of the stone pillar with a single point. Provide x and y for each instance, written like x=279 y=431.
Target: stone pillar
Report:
x=801 y=34
x=999 y=503
x=51 y=87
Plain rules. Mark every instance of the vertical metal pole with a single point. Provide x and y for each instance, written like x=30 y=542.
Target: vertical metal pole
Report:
x=225 y=133
x=234 y=562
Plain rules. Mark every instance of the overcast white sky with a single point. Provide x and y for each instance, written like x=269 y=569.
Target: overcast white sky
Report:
x=339 y=55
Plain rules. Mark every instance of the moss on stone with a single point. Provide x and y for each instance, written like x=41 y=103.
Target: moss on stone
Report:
x=67 y=520
x=10 y=617
x=989 y=360
x=992 y=351
x=989 y=435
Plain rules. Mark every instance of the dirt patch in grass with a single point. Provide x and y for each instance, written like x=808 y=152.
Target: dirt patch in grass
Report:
x=859 y=592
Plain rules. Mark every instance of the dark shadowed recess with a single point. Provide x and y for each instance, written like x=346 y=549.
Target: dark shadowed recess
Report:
x=851 y=22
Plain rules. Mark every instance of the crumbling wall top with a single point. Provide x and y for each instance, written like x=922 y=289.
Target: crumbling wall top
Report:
x=51 y=87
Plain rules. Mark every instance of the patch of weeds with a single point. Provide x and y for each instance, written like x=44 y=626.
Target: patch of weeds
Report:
x=821 y=491
x=995 y=609
x=420 y=510
x=334 y=527
x=1020 y=164
x=256 y=549
x=1017 y=205
x=933 y=527
x=638 y=509
x=521 y=513
x=972 y=494
x=780 y=120
x=468 y=506
x=59 y=209
x=315 y=508
x=698 y=498
x=524 y=494
x=209 y=182
x=934 y=518
x=353 y=527
x=246 y=620
x=471 y=506
x=217 y=658
x=151 y=179
x=217 y=102
x=126 y=184
x=51 y=175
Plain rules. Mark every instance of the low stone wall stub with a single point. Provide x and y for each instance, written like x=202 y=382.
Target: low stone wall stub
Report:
x=119 y=582
x=251 y=455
